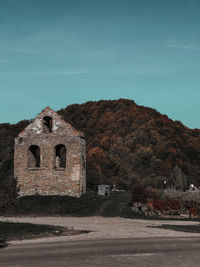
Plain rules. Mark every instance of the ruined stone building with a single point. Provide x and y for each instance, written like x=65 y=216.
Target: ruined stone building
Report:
x=50 y=157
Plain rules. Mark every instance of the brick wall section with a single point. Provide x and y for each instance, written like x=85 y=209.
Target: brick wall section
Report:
x=46 y=179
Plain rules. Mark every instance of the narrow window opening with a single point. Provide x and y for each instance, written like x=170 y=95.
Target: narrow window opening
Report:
x=47 y=124
x=83 y=162
x=60 y=156
x=34 y=157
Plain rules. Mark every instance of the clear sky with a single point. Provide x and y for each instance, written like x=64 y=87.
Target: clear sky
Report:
x=59 y=52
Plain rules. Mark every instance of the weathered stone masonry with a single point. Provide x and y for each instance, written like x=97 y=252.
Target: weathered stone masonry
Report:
x=50 y=157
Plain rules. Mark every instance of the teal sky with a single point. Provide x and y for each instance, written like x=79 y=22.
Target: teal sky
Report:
x=59 y=52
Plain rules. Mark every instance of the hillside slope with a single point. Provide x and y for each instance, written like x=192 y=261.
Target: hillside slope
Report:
x=125 y=142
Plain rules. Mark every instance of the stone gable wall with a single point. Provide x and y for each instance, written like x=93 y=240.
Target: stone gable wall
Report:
x=47 y=179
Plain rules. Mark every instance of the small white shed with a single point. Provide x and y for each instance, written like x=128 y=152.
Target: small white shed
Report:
x=104 y=190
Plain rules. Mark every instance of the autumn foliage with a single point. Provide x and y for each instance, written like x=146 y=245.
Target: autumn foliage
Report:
x=163 y=205
x=127 y=143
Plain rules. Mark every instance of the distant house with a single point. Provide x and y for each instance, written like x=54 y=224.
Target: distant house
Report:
x=50 y=157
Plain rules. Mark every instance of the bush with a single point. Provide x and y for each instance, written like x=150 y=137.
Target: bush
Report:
x=164 y=205
x=172 y=194
x=193 y=196
x=139 y=193
x=151 y=193
x=174 y=204
x=8 y=193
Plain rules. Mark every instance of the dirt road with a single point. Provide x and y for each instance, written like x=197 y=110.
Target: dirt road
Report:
x=105 y=228
x=134 y=252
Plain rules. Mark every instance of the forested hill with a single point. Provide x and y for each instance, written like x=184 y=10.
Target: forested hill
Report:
x=125 y=142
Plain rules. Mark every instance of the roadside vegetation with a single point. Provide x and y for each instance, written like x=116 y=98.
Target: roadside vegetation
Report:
x=12 y=231
x=119 y=204
x=166 y=202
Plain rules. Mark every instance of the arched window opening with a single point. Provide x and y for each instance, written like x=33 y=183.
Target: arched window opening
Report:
x=60 y=156
x=47 y=124
x=34 y=157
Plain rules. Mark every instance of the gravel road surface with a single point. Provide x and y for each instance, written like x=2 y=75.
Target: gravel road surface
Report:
x=104 y=228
